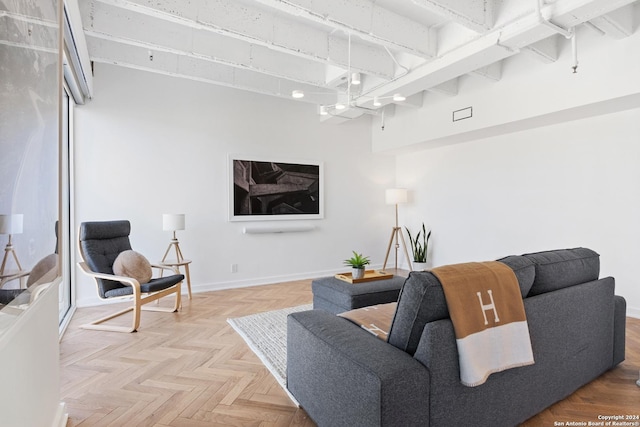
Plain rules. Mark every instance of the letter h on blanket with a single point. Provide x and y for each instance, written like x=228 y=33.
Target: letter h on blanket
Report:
x=488 y=307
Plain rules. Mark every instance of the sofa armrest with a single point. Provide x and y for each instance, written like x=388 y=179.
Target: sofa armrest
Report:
x=619 y=326
x=344 y=376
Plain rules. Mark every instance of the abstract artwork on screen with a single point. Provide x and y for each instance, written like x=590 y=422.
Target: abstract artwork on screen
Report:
x=263 y=190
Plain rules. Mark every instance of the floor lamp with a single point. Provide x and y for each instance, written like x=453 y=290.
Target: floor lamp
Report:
x=395 y=196
x=173 y=222
x=10 y=224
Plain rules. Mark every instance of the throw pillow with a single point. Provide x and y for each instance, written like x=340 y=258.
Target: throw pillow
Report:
x=133 y=264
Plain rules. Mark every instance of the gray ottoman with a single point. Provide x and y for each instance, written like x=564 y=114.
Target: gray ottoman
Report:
x=337 y=296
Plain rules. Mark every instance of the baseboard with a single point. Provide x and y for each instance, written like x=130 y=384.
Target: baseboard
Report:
x=61 y=417
x=236 y=284
x=633 y=312
x=66 y=320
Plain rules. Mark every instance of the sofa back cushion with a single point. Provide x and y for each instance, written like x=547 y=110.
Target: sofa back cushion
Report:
x=562 y=268
x=422 y=301
x=524 y=270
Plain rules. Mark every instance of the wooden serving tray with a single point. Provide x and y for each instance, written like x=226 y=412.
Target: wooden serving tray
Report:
x=369 y=276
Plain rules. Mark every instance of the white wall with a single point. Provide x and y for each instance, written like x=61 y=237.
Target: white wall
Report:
x=149 y=144
x=560 y=186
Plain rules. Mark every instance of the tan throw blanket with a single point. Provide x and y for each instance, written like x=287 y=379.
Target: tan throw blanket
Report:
x=375 y=319
x=488 y=317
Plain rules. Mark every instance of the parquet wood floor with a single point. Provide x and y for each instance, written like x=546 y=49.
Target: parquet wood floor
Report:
x=180 y=369
x=192 y=369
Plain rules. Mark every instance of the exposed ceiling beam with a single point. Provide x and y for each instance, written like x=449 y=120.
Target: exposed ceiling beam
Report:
x=546 y=50
x=364 y=19
x=468 y=58
x=189 y=67
x=413 y=101
x=569 y=13
x=449 y=88
x=244 y=56
x=617 y=24
x=476 y=15
x=564 y=14
x=491 y=72
x=233 y=20
x=498 y=44
x=452 y=35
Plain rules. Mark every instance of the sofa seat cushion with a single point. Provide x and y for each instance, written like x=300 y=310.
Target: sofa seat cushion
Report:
x=422 y=301
x=154 y=285
x=562 y=268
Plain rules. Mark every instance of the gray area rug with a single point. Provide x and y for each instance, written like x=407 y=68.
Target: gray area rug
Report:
x=266 y=334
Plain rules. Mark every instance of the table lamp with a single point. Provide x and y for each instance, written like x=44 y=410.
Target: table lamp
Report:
x=173 y=222
x=10 y=224
x=396 y=196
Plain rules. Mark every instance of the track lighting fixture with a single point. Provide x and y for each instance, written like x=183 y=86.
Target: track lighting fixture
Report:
x=377 y=102
x=356 y=98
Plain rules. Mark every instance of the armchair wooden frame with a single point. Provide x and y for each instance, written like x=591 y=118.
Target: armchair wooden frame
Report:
x=139 y=299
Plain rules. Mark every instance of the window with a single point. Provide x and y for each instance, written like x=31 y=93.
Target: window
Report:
x=65 y=293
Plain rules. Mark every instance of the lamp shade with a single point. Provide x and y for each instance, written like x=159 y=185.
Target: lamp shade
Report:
x=11 y=224
x=172 y=222
x=395 y=196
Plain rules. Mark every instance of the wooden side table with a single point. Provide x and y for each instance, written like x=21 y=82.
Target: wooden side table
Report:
x=182 y=263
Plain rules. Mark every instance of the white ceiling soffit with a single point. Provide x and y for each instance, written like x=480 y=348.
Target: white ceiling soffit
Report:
x=402 y=47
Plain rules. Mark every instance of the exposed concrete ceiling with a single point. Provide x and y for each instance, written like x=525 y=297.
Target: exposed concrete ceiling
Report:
x=402 y=47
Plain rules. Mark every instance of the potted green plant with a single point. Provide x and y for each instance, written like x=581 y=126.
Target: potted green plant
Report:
x=419 y=248
x=357 y=263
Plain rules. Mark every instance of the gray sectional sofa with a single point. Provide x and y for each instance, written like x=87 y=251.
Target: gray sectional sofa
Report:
x=344 y=376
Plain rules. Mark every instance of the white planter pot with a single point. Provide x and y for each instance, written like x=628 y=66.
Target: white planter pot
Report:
x=357 y=273
x=419 y=266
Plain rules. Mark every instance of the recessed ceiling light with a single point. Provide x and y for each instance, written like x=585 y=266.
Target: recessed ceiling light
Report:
x=297 y=94
x=340 y=106
x=398 y=97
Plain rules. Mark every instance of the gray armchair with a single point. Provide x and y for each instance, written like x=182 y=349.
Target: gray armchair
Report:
x=100 y=243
